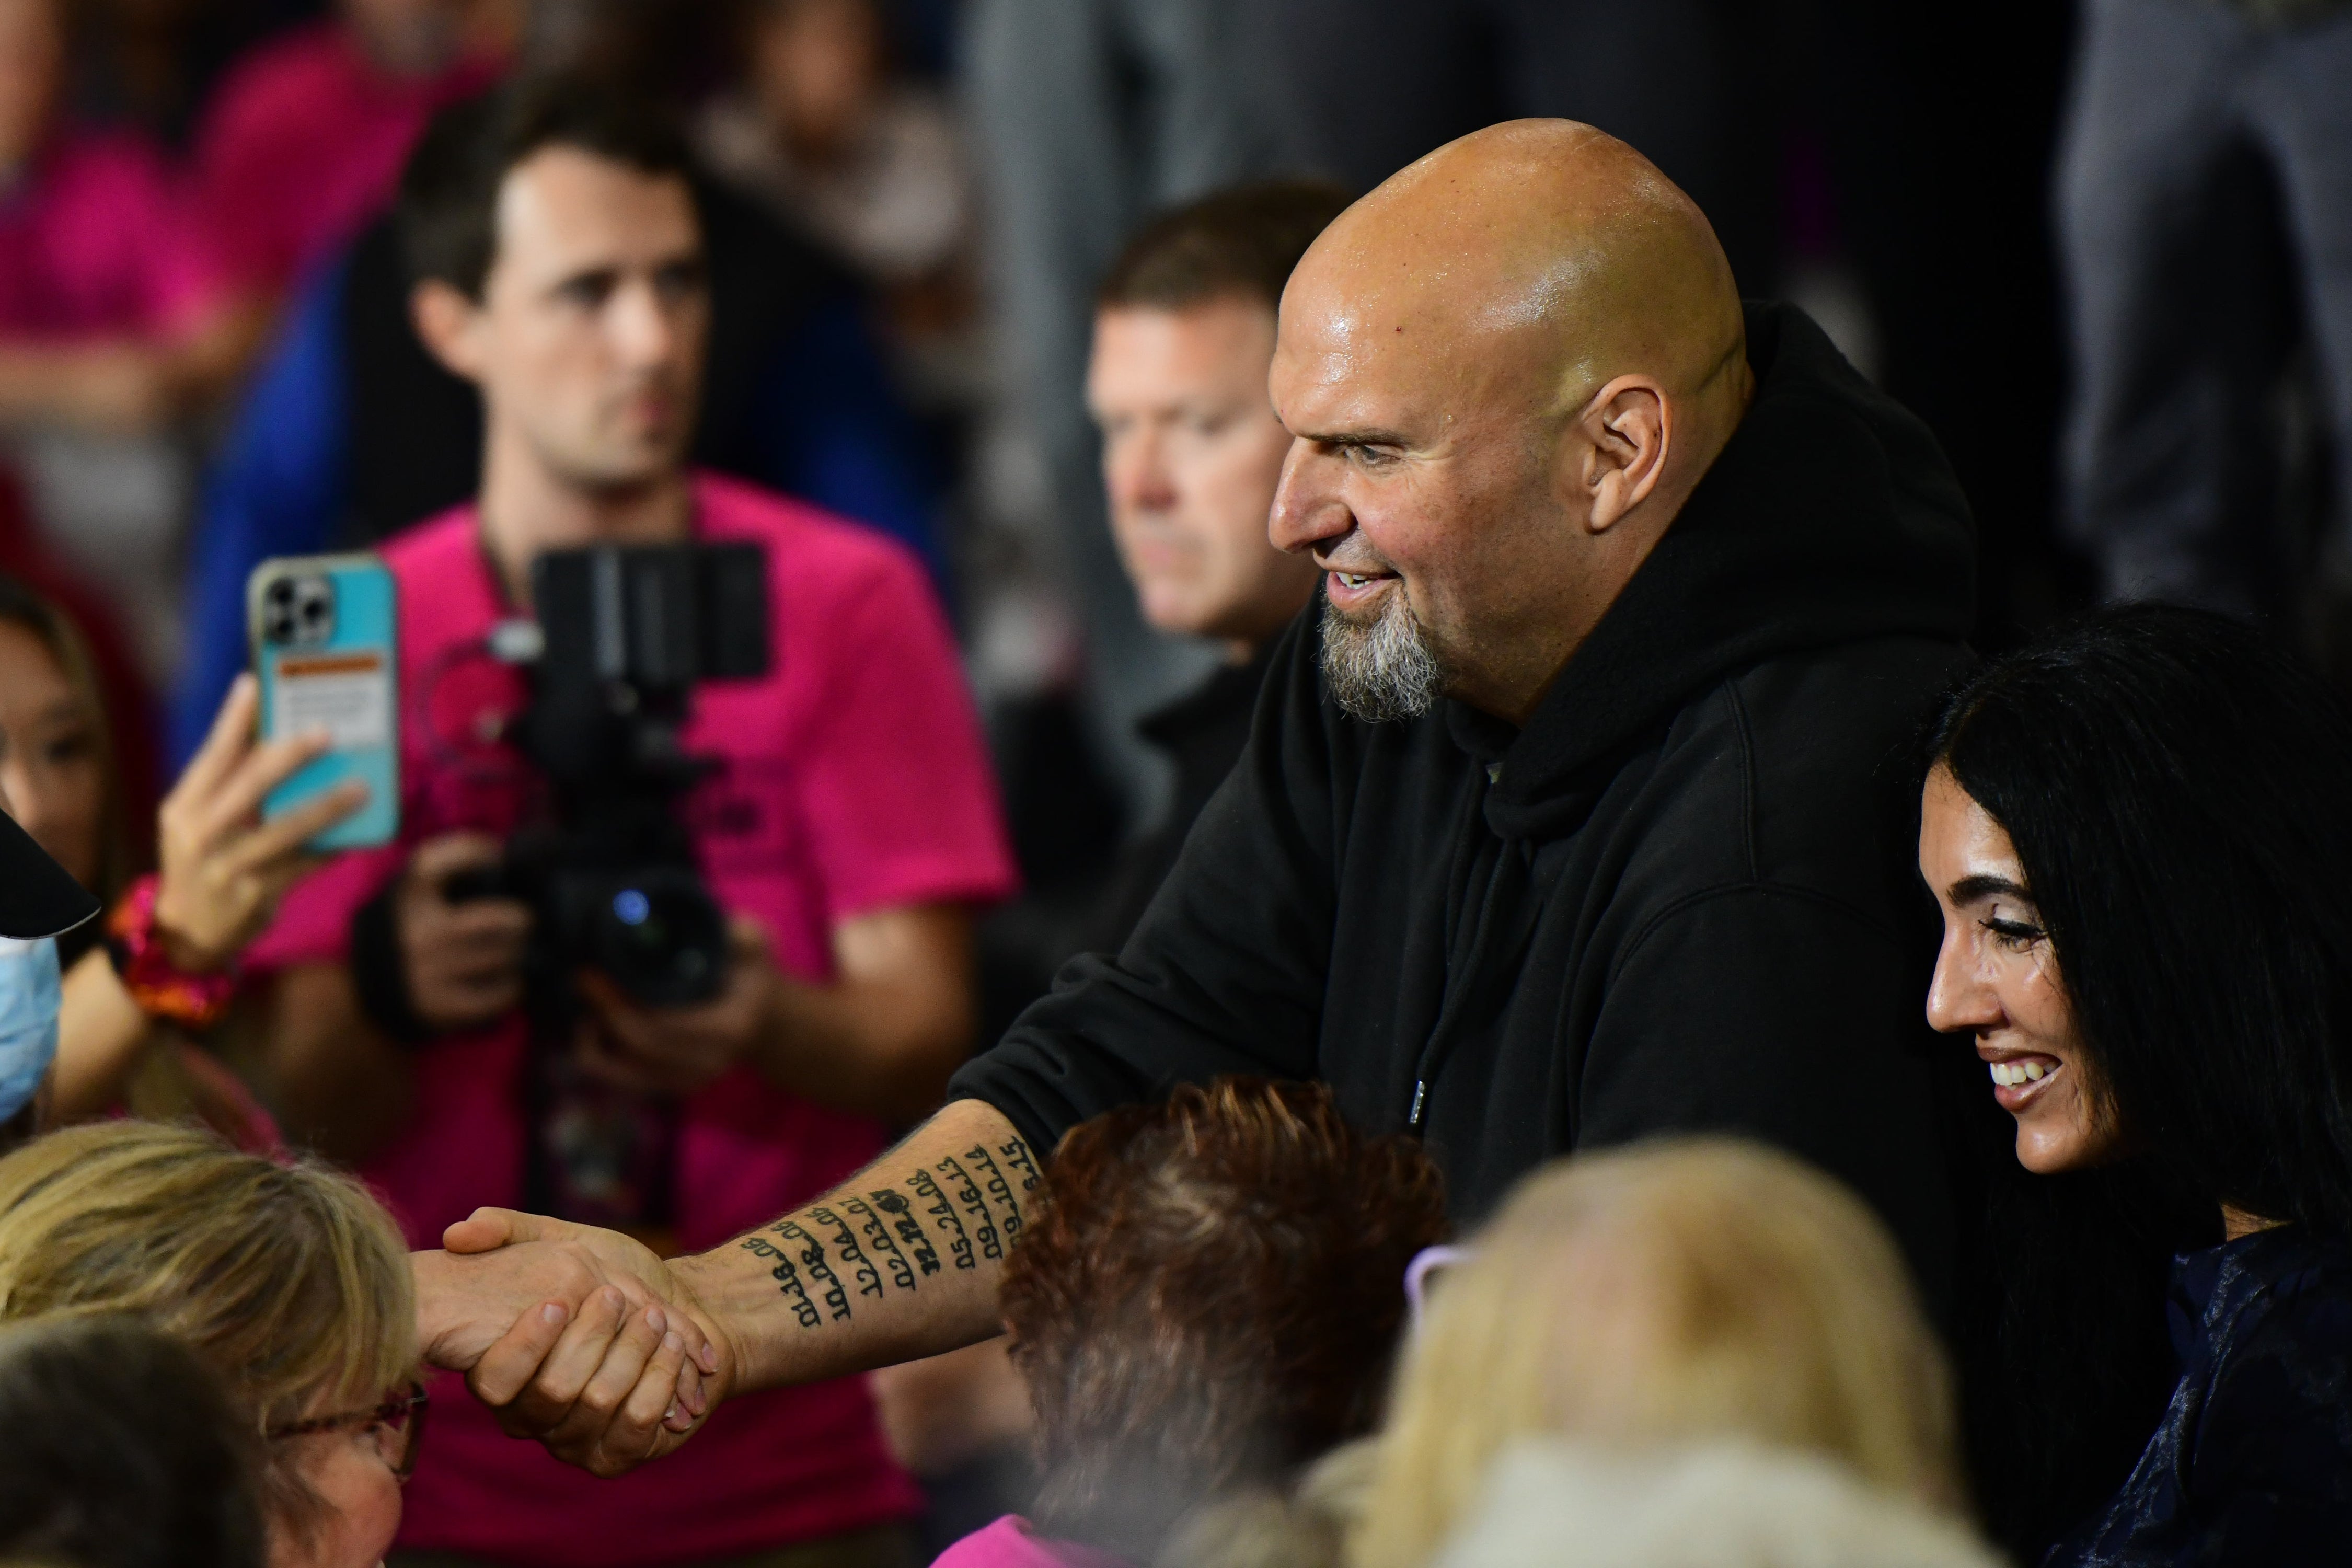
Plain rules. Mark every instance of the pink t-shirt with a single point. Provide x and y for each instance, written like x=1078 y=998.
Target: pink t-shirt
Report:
x=1010 y=1544
x=303 y=143
x=94 y=242
x=855 y=780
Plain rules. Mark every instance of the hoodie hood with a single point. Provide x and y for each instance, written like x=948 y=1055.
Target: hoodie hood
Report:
x=1831 y=516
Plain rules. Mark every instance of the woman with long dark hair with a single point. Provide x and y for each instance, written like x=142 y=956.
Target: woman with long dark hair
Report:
x=2140 y=835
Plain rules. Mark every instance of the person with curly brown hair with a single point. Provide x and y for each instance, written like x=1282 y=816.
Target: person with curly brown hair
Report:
x=1208 y=1299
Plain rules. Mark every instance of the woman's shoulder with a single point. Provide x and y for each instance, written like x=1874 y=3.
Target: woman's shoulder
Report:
x=2278 y=1361
x=2282 y=1282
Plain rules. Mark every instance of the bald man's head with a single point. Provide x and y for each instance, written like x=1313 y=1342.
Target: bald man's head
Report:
x=1505 y=369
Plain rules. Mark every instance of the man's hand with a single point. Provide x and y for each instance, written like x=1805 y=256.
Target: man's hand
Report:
x=678 y=1050
x=462 y=960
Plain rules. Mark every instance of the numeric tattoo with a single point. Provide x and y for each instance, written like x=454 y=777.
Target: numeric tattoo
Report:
x=967 y=1193
x=787 y=1278
x=812 y=1259
x=877 y=1236
x=938 y=1205
x=845 y=1242
x=1016 y=1154
x=911 y=1229
x=999 y=1189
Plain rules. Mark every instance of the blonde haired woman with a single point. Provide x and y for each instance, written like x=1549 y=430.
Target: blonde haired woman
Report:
x=289 y=1280
x=1652 y=1297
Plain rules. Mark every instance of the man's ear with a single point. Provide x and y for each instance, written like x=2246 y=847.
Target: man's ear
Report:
x=447 y=322
x=1623 y=435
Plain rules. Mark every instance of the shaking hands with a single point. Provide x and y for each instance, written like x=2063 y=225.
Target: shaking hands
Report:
x=579 y=1338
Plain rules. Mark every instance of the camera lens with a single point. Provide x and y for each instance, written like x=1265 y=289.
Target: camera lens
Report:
x=661 y=937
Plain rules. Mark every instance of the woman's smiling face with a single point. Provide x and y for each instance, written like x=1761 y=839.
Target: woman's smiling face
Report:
x=1996 y=980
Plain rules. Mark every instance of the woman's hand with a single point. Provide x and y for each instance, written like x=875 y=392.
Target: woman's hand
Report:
x=222 y=869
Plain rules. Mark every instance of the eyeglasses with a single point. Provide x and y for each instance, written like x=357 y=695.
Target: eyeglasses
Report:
x=398 y=1425
x=1429 y=1260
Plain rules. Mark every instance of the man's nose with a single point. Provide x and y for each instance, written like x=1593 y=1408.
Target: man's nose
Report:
x=1137 y=467
x=645 y=327
x=1308 y=506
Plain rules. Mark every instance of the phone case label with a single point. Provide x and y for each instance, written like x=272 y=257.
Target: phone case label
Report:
x=347 y=695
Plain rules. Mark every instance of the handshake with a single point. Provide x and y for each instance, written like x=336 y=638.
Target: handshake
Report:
x=586 y=1341
x=580 y=1338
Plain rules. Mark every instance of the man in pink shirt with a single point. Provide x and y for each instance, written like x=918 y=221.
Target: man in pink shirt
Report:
x=852 y=827
x=304 y=139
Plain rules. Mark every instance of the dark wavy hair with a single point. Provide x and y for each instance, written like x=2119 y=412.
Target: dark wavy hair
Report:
x=1208 y=1298
x=2178 y=791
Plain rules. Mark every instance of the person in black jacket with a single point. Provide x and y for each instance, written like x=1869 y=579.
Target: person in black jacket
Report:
x=1575 y=812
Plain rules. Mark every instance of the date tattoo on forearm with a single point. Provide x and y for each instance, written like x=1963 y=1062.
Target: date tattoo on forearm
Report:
x=812 y=1255
x=877 y=1235
x=787 y=1278
x=844 y=1244
x=911 y=1229
x=938 y=1206
x=967 y=1193
x=999 y=1189
x=814 y=1264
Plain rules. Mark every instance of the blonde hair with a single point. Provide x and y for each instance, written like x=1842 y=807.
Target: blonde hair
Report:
x=289 y=1280
x=1673 y=1291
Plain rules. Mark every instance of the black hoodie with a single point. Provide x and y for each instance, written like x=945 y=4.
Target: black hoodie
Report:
x=1681 y=899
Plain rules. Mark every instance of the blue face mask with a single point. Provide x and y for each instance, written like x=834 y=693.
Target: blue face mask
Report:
x=28 y=1019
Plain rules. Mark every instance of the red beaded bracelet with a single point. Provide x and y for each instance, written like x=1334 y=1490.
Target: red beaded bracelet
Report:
x=161 y=989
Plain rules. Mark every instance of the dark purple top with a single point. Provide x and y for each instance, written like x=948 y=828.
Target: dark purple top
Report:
x=2252 y=1462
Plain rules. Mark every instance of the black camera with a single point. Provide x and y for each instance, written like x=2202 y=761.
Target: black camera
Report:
x=610 y=872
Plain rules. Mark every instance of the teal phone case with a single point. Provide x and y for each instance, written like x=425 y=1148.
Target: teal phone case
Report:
x=337 y=671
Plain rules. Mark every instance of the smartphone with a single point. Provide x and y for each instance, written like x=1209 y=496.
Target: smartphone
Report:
x=325 y=633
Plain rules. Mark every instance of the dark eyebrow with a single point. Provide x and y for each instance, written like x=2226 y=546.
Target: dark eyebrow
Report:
x=1969 y=889
x=589 y=277
x=1352 y=437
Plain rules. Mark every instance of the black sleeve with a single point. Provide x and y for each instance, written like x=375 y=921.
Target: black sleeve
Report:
x=1788 y=1016
x=1226 y=972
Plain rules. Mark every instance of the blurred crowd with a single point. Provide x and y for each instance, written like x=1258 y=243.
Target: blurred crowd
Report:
x=962 y=313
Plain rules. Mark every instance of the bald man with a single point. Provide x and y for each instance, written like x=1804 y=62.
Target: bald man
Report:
x=1574 y=812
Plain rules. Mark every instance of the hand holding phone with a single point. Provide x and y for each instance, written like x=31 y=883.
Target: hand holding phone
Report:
x=326 y=654
x=222 y=869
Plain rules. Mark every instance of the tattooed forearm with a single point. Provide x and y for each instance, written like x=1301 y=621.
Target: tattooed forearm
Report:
x=937 y=1204
x=877 y=1236
x=845 y=1242
x=812 y=1259
x=1016 y=1154
x=967 y=1193
x=999 y=1189
x=911 y=1229
x=787 y=1279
